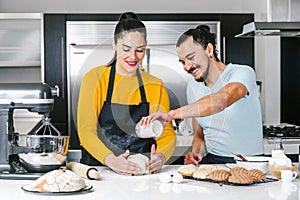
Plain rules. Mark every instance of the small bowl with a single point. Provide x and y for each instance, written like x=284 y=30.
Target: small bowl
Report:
x=254 y=162
x=275 y=170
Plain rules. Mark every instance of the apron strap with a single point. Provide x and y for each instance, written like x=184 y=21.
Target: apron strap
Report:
x=111 y=84
x=142 y=90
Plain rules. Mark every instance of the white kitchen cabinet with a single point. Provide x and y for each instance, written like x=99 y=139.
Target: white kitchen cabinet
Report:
x=20 y=47
x=20 y=58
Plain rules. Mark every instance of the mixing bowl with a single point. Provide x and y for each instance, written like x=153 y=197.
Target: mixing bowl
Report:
x=42 y=153
x=254 y=162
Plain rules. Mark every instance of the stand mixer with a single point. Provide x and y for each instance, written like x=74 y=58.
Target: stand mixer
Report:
x=44 y=137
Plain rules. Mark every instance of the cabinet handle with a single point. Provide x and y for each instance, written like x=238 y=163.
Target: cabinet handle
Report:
x=62 y=43
x=224 y=49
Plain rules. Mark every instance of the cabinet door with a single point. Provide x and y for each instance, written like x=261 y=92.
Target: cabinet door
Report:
x=290 y=84
x=236 y=50
x=55 y=66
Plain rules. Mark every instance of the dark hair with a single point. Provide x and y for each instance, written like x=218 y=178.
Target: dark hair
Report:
x=128 y=22
x=201 y=35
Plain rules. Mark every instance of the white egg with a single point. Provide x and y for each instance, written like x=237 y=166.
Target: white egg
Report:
x=177 y=178
x=165 y=177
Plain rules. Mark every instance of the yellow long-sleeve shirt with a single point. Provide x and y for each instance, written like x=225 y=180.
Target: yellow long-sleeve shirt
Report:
x=126 y=91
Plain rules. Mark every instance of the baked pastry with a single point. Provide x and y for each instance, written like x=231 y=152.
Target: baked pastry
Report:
x=219 y=175
x=257 y=175
x=187 y=170
x=238 y=170
x=220 y=167
x=201 y=173
x=209 y=167
x=141 y=160
x=58 y=181
x=240 y=178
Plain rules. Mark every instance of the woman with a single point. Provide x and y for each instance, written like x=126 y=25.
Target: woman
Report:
x=114 y=97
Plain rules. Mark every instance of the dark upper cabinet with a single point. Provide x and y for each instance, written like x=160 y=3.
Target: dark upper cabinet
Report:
x=290 y=84
x=235 y=51
x=55 y=66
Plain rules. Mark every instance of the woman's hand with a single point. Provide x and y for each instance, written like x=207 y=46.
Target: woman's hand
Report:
x=121 y=165
x=157 y=160
x=192 y=158
x=163 y=117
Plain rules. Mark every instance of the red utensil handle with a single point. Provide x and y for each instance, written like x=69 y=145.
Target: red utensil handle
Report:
x=241 y=157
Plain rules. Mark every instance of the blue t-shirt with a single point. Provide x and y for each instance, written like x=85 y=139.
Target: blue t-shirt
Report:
x=238 y=128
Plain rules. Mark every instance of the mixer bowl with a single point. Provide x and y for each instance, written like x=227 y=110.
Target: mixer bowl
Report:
x=43 y=153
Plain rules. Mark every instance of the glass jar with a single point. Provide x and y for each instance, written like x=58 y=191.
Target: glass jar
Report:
x=277 y=148
x=155 y=129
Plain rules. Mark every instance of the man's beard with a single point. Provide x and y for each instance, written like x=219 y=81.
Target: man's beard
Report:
x=205 y=74
x=201 y=79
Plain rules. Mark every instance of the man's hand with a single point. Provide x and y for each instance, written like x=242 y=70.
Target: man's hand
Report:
x=157 y=160
x=163 y=117
x=192 y=158
x=121 y=165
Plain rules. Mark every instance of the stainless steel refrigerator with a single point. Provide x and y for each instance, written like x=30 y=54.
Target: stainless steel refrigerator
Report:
x=89 y=44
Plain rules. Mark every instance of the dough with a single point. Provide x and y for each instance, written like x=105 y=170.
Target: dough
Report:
x=141 y=160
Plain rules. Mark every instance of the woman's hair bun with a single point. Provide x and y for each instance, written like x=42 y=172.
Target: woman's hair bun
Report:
x=203 y=28
x=128 y=15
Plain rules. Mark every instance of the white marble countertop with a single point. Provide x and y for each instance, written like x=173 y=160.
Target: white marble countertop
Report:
x=113 y=186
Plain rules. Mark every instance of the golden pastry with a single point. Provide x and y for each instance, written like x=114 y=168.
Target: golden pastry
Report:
x=219 y=175
x=238 y=170
x=201 y=173
x=240 y=178
x=256 y=174
x=220 y=167
x=187 y=170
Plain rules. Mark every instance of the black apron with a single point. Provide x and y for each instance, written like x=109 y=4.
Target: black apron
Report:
x=117 y=124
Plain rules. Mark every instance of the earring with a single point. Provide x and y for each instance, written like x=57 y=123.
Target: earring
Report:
x=210 y=56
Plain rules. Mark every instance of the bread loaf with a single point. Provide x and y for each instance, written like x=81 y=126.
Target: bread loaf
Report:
x=219 y=175
x=257 y=175
x=240 y=178
x=58 y=181
x=187 y=170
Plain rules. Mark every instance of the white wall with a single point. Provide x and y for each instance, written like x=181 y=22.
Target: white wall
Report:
x=259 y=7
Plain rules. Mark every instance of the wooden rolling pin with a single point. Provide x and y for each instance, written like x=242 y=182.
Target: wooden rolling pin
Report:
x=83 y=170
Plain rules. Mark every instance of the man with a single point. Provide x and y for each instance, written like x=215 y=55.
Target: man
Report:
x=223 y=100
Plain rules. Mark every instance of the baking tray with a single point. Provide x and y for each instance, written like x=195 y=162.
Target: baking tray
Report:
x=255 y=182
